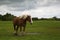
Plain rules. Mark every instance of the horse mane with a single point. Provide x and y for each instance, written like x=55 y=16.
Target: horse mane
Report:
x=24 y=16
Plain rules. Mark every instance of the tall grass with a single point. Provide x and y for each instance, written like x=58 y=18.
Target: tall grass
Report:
x=48 y=30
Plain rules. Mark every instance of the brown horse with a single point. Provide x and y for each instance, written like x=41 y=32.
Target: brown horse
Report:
x=20 y=22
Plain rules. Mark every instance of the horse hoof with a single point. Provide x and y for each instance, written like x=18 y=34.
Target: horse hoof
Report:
x=15 y=34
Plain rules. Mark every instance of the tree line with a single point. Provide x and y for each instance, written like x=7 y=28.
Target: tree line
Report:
x=6 y=17
x=9 y=17
x=53 y=18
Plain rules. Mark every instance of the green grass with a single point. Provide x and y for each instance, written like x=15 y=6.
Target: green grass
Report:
x=49 y=30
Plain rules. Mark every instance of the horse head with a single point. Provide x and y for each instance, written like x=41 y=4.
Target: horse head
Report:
x=29 y=19
x=26 y=17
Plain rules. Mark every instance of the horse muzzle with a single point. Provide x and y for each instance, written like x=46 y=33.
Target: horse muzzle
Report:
x=31 y=23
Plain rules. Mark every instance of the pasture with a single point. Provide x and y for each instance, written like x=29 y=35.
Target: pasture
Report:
x=39 y=30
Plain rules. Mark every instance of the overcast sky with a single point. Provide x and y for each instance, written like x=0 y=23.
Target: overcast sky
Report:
x=37 y=8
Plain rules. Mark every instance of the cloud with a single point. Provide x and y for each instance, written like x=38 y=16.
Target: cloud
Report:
x=37 y=8
x=39 y=12
x=21 y=5
x=46 y=12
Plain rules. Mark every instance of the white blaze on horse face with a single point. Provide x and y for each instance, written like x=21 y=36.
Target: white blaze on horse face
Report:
x=31 y=20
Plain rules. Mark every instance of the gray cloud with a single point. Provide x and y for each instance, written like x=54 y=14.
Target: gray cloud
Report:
x=9 y=2
x=21 y=5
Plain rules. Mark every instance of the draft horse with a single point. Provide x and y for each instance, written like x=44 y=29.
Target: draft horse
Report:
x=20 y=22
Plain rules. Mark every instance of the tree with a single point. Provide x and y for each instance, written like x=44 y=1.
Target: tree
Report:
x=7 y=17
x=35 y=18
x=54 y=18
x=0 y=17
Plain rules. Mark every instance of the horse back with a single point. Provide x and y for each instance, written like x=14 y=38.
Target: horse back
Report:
x=15 y=20
x=18 y=21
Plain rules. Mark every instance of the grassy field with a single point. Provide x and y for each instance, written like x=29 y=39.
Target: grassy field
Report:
x=48 y=30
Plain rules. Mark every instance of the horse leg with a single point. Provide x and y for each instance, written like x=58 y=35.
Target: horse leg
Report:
x=20 y=28
x=16 y=30
x=23 y=29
